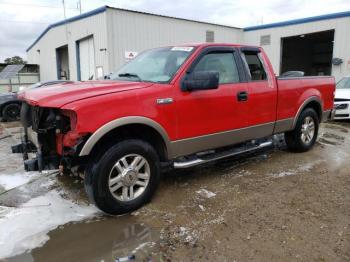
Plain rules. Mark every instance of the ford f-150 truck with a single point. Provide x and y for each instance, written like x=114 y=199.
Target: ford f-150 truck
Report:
x=176 y=106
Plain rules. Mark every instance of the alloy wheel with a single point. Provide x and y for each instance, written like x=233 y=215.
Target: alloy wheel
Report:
x=307 y=130
x=129 y=177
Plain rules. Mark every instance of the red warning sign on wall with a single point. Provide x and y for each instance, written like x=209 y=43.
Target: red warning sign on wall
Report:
x=130 y=55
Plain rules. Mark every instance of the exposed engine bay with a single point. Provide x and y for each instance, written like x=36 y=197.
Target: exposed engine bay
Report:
x=46 y=132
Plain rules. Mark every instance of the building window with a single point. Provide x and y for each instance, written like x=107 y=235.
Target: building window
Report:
x=210 y=37
x=265 y=40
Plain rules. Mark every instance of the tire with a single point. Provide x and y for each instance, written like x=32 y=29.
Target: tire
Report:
x=302 y=139
x=100 y=187
x=11 y=112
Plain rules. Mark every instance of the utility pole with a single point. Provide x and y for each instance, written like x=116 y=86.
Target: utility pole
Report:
x=79 y=6
x=65 y=19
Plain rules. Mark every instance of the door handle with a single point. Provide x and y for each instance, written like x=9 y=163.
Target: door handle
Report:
x=242 y=96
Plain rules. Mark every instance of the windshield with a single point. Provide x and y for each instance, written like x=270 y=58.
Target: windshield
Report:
x=156 y=65
x=344 y=83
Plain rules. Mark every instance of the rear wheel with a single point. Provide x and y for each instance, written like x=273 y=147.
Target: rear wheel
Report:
x=304 y=135
x=11 y=112
x=125 y=177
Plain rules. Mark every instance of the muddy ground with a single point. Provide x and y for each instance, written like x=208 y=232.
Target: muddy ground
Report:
x=269 y=206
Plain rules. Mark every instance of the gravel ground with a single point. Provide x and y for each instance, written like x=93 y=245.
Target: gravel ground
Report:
x=269 y=206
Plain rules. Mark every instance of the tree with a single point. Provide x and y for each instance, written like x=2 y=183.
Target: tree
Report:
x=15 y=60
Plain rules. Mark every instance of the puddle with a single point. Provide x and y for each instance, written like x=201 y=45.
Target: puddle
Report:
x=41 y=215
x=98 y=240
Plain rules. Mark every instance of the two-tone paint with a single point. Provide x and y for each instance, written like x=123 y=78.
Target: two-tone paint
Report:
x=189 y=122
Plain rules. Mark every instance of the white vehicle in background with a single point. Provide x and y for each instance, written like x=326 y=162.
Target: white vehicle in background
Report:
x=342 y=99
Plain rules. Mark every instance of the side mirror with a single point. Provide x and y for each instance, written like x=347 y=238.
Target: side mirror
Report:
x=201 y=80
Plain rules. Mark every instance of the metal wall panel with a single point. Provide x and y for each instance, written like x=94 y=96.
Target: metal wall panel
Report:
x=131 y=31
x=57 y=37
x=341 y=41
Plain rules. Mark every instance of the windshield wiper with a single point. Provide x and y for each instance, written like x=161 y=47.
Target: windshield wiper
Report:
x=130 y=75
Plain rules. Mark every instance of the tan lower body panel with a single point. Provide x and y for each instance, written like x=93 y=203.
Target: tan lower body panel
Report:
x=283 y=125
x=189 y=146
x=197 y=144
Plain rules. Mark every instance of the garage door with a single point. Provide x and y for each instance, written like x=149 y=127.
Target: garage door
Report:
x=87 y=59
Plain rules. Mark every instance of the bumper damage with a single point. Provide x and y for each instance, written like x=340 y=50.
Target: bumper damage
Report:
x=47 y=132
x=35 y=160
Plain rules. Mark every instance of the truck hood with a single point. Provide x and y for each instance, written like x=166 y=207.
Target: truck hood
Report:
x=61 y=94
x=342 y=93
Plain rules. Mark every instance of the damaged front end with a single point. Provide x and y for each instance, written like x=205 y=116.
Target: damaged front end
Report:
x=50 y=134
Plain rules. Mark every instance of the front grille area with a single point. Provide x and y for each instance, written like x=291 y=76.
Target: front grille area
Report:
x=341 y=115
x=34 y=116
x=44 y=130
x=41 y=120
x=341 y=106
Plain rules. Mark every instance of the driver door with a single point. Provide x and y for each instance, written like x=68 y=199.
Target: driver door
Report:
x=208 y=118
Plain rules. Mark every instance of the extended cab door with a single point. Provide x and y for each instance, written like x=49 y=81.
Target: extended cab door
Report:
x=262 y=91
x=208 y=118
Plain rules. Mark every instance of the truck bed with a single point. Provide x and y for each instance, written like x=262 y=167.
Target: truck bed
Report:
x=292 y=89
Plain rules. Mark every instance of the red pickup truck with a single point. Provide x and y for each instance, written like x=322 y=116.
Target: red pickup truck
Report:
x=175 y=106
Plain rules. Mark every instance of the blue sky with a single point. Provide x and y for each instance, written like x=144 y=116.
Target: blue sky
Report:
x=21 y=21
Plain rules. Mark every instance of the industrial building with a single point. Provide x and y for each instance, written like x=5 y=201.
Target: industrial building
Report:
x=96 y=43
x=317 y=45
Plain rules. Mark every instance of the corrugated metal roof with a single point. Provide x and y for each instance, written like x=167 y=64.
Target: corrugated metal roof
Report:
x=299 y=21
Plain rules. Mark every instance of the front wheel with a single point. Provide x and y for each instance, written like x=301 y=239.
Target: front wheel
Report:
x=124 y=178
x=304 y=135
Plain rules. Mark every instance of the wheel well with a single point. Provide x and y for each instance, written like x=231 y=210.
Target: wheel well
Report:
x=317 y=107
x=135 y=131
x=8 y=103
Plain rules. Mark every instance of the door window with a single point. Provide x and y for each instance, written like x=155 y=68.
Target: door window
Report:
x=224 y=63
x=255 y=66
